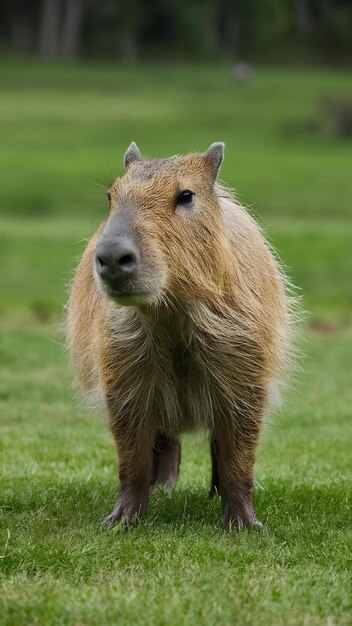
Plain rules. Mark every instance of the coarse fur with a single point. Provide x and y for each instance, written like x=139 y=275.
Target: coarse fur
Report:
x=202 y=339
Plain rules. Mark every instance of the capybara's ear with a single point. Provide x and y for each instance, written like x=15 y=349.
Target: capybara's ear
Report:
x=214 y=156
x=132 y=154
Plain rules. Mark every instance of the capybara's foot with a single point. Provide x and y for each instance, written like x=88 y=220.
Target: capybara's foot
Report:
x=112 y=519
x=128 y=511
x=239 y=518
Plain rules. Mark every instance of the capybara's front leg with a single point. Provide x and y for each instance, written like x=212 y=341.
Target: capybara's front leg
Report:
x=235 y=448
x=134 y=446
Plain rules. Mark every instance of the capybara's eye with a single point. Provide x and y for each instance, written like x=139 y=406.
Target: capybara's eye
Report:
x=185 y=198
x=108 y=195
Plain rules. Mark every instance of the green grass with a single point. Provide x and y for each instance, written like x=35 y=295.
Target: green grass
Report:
x=63 y=128
x=178 y=567
x=67 y=127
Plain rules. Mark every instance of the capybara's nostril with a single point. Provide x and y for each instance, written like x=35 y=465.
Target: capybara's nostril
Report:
x=101 y=261
x=128 y=263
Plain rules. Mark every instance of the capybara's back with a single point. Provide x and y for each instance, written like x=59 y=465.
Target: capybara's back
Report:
x=178 y=319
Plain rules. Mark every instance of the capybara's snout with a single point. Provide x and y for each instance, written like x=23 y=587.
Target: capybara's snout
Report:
x=117 y=262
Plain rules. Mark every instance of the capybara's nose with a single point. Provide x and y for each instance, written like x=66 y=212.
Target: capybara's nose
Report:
x=117 y=260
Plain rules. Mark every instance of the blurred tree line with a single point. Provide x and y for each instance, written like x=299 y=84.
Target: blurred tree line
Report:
x=132 y=29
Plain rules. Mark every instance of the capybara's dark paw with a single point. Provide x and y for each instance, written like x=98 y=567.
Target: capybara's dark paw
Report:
x=240 y=519
x=112 y=519
x=240 y=523
x=128 y=513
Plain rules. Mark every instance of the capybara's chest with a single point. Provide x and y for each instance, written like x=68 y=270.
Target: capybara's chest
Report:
x=160 y=373
x=183 y=386
x=193 y=387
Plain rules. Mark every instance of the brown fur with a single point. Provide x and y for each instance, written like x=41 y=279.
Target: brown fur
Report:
x=207 y=349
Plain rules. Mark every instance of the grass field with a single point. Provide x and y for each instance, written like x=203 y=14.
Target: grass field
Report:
x=64 y=129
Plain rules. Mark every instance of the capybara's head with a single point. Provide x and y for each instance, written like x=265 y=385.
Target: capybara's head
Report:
x=163 y=237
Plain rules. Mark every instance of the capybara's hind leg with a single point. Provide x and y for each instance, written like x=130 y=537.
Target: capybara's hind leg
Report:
x=166 y=461
x=215 y=484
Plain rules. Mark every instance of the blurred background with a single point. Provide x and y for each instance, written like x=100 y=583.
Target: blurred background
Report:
x=81 y=79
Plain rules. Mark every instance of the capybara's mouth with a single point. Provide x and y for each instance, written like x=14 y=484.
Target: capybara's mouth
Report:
x=127 y=292
x=132 y=298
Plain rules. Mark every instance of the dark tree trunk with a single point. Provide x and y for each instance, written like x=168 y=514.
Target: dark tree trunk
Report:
x=72 y=26
x=211 y=26
x=50 y=28
x=23 y=21
x=129 y=43
x=304 y=18
x=21 y=33
x=233 y=32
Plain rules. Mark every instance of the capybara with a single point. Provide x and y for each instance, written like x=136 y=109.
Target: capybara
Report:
x=178 y=318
